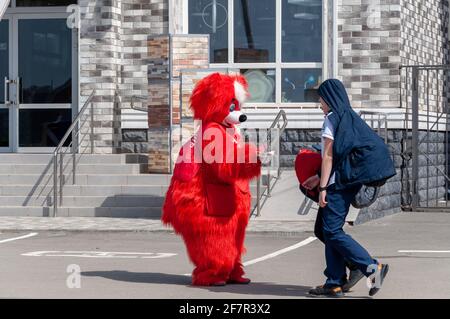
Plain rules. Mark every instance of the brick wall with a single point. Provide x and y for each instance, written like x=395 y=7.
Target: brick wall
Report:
x=377 y=36
x=369 y=51
x=113 y=60
x=189 y=52
x=140 y=19
x=100 y=64
x=168 y=57
x=425 y=42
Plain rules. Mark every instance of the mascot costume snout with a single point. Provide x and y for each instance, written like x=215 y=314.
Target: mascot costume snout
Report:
x=208 y=201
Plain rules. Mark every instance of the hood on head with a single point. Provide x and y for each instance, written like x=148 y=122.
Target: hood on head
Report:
x=333 y=92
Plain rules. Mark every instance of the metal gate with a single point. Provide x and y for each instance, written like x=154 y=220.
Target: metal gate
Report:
x=424 y=94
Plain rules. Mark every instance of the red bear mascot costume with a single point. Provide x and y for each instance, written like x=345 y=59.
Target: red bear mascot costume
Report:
x=208 y=201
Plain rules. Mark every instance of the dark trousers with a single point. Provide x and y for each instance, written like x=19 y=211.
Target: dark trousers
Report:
x=341 y=250
x=318 y=232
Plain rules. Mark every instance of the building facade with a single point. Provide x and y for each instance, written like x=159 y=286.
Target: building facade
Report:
x=141 y=58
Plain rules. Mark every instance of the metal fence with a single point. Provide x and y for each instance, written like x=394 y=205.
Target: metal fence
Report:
x=424 y=95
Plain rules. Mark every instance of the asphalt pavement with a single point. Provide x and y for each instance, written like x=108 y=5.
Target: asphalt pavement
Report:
x=146 y=264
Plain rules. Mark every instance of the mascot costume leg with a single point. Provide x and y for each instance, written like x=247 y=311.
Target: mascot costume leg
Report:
x=208 y=201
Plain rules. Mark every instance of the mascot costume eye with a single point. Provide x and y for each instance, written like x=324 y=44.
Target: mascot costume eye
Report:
x=208 y=201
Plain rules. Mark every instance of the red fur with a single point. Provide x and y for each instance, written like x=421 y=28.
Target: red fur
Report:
x=214 y=244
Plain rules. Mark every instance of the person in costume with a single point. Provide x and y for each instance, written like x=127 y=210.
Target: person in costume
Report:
x=208 y=201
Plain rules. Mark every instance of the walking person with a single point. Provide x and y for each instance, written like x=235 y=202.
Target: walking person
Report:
x=352 y=156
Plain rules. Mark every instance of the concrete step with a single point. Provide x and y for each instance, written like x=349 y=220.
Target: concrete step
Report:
x=46 y=158
x=124 y=212
x=95 y=168
x=90 y=190
x=65 y=211
x=85 y=190
x=85 y=179
x=86 y=201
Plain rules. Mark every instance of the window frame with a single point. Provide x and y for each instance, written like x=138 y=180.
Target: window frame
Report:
x=13 y=8
x=278 y=65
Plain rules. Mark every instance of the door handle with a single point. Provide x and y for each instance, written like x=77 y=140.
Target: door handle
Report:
x=17 y=82
x=7 y=82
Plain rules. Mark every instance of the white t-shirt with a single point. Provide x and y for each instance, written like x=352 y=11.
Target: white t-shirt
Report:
x=327 y=132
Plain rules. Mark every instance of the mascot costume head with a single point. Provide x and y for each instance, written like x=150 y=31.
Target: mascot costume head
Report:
x=218 y=98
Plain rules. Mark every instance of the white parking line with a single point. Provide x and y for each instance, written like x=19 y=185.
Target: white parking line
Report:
x=18 y=238
x=281 y=251
x=98 y=254
x=425 y=251
x=278 y=252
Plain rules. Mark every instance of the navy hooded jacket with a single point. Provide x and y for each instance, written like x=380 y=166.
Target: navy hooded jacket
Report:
x=360 y=156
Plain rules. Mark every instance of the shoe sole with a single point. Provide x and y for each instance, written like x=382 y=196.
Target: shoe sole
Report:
x=326 y=296
x=347 y=287
x=373 y=291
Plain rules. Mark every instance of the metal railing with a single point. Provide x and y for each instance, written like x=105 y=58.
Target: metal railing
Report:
x=425 y=95
x=261 y=197
x=74 y=131
x=381 y=120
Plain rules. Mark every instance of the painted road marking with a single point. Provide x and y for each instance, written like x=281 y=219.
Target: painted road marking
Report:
x=281 y=251
x=425 y=251
x=18 y=238
x=98 y=254
x=278 y=252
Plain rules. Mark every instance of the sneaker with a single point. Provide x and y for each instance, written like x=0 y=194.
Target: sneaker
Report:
x=355 y=276
x=335 y=292
x=382 y=272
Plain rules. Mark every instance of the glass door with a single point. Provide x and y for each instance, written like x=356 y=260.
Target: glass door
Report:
x=5 y=73
x=42 y=69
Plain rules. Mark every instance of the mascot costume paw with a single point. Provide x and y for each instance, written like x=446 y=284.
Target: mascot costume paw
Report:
x=208 y=201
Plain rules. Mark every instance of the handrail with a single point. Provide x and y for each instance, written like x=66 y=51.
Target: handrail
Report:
x=73 y=146
x=280 y=114
x=266 y=193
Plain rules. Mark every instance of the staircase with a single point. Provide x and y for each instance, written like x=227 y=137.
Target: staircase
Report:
x=106 y=186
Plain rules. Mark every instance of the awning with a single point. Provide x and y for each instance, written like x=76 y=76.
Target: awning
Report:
x=3 y=6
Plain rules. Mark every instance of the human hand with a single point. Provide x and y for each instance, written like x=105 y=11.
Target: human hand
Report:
x=323 y=199
x=311 y=182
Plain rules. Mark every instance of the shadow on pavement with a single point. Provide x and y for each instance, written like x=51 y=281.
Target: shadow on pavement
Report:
x=141 y=277
x=255 y=288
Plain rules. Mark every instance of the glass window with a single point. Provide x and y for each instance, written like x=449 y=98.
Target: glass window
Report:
x=254 y=31
x=302 y=31
x=45 y=61
x=44 y=3
x=300 y=85
x=43 y=128
x=261 y=85
x=4 y=128
x=255 y=41
x=211 y=17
